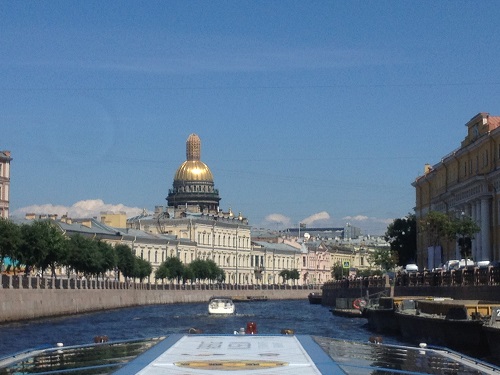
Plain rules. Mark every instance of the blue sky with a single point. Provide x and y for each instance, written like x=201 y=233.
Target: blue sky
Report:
x=321 y=112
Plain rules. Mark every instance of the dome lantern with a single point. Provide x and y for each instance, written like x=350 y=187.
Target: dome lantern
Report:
x=193 y=148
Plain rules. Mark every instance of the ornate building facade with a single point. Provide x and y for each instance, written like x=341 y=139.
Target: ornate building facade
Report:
x=464 y=182
x=193 y=215
x=5 y=160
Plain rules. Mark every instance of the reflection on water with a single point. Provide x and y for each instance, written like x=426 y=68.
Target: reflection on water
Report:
x=159 y=320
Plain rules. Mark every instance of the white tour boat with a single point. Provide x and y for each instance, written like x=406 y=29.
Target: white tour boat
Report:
x=221 y=305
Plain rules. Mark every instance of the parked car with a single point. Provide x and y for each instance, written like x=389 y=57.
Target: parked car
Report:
x=484 y=263
x=453 y=264
x=466 y=263
x=412 y=267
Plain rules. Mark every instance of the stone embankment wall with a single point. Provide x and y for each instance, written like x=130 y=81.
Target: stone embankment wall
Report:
x=25 y=304
x=467 y=283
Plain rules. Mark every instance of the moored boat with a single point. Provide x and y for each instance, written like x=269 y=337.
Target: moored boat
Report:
x=455 y=324
x=381 y=316
x=221 y=306
x=315 y=298
x=491 y=330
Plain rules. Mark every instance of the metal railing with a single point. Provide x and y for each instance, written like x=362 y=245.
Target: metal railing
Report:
x=36 y=282
x=466 y=276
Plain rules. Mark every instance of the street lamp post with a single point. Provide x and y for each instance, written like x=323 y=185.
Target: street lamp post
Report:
x=462 y=216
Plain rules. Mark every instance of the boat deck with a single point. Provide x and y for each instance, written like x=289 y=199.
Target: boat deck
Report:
x=244 y=354
x=289 y=354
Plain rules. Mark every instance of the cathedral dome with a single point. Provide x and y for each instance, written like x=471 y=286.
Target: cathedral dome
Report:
x=193 y=182
x=193 y=169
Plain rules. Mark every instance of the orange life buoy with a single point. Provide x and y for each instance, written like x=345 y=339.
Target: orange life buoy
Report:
x=358 y=303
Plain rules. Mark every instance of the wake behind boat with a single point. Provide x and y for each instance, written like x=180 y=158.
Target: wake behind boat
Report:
x=221 y=306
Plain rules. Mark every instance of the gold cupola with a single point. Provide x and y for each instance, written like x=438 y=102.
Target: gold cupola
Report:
x=193 y=169
x=193 y=182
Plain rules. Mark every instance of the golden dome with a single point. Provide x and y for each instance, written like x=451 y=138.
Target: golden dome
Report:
x=193 y=170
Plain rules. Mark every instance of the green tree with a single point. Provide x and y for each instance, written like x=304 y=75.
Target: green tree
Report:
x=402 y=236
x=285 y=274
x=10 y=240
x=294 y=275
x=172 y=268
x=42 y=245
x=84 y=255
x=463 y=230
x=142 y=269
x=437 y=226
x=200 y=268
x=188 y=274
x=384 y=258
x=125 y=260
x=337 y=270
x=108 y=257
x=57 y=250
x=215 y=272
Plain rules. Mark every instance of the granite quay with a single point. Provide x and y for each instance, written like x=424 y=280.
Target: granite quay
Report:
x=469 y=283
x=28 y=297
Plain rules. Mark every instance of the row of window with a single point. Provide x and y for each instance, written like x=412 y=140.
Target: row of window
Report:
x=468 y=166
x=220 y=260
x=205 y=239
x=196 y=188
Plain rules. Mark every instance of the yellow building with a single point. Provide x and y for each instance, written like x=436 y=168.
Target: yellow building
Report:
x=114 y=219
x=464 y=182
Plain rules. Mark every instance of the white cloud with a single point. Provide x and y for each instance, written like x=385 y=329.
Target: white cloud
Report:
x=362 y=218
x=80 y=209
x=320 y=216
x=278 y=219
x=356 y=218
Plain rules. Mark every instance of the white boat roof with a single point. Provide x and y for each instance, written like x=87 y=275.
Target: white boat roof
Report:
x=203 y=354
x=292 y=354
x=212 y=354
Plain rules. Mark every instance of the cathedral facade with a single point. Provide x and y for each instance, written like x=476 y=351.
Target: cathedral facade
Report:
x=193 y=216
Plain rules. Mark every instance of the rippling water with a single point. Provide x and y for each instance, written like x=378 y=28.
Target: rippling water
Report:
x=159 y=320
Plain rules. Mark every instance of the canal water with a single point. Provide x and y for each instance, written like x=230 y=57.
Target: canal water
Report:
x=151 y=321
x=159 y=320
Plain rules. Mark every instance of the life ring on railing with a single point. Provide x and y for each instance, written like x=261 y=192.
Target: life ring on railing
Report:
x=358 y=303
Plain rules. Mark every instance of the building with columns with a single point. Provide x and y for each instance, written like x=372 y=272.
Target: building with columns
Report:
x=4 y=183
x=464 y=182
x=193 y=214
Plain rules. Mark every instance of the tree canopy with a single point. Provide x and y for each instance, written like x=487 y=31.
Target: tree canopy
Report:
x=402 y=237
